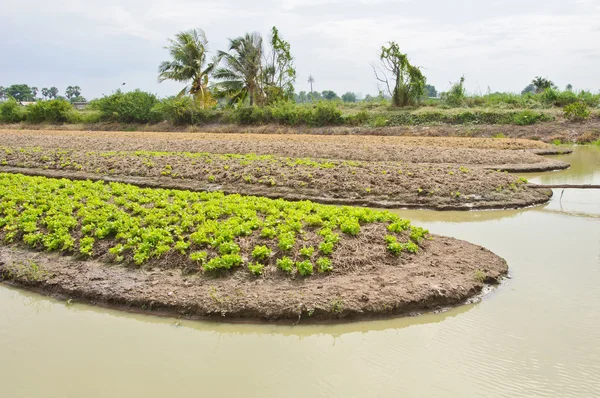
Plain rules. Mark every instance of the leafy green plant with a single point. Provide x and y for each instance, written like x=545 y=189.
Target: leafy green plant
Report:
x=12 y=112
x=324 y=264
x=285 y=264
x=305 y=268
x=307 y=252
x=261 y=252
x=256 y=268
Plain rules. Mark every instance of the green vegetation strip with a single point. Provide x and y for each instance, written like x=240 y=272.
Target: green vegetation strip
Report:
x=210 y=231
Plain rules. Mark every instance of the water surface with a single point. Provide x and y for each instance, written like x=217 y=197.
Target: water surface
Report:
x=537 y=335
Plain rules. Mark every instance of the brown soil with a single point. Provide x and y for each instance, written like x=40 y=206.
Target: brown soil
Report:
x=547 y=132
x=439 y=187
x=490 y=153
x=445 y=272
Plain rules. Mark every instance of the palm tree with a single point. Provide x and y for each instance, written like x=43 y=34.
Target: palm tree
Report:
x=311 y=80
x=189 y=64
x=34 y=92
x=541 y=84
x=241 y=75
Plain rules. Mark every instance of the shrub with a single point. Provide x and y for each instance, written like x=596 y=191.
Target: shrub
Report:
x=132 y=107
x=182 y=111
x=326 y=113
x=54 y=111
x=12 y=112
x=527 y=117
x=357 y=119
x=577 y=112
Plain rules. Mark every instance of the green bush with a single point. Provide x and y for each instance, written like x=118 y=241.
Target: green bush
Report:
x=527 y=117
x=12 y=112
x=326 y=113
x=577 y=112
x=182 y=111
x=132 y=107
x=54 y=111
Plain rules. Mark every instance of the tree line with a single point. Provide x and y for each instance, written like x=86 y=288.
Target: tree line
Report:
x=25 y=93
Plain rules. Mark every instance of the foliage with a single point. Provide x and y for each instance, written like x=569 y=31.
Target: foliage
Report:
x=256 y=268
x=329 y=95
x=407 y=84
x=182 y=110
x=305 y=268
x=577 y=112
x=20 y=92
x=189 y=65
x=240 y=78
x=261 y=253
x=430 y=91
x=324 y=264
x=72 y=92
x=54 y=111
x=285 y=264
x=137 y=225
x=131 y=107
x=456 y=96
x=11 y=112
x=349 y=97
x=279 y=73
x=541 y=84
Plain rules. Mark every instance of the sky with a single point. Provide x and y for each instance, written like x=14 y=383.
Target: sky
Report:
x=503 y=45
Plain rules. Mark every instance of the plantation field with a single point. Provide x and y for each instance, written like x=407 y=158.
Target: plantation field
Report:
x=380 y=184
x=206 y=253
x=495 y=153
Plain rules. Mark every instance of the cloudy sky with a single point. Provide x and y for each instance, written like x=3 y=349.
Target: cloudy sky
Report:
x=501 y=44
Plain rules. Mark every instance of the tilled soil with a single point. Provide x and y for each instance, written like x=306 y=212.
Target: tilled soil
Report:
x=490 y=153
x=378 y=184
x=374 y=283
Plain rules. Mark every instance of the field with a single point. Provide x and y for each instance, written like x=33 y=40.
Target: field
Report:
x=375 y=171
x=218 y=224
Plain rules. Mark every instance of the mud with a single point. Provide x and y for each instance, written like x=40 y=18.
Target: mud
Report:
x=446 y=272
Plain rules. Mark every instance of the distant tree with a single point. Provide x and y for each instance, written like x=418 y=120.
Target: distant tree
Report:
x=34 y=91
x=407 y=83
x=329 y=95
x=2 y=93
x=72 y=91
x=315 y=96
x=301 y=97
x=241 y=77
x=569 y=87
x=529 y=89
x=45 y=92
x=78 y=98
x=430 y=90
x=52 y=92
x=20 y=92
x=541 y=84
x=189 y=65
x=279 y=73
x=311 y=80
x=349 y=97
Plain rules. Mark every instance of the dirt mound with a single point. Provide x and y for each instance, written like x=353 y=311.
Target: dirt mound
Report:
x=447 y=272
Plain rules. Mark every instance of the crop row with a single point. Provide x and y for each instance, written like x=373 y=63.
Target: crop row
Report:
x=258 y=174
x=209 y=231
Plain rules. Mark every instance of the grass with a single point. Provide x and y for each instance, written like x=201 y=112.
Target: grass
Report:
x=136 y=226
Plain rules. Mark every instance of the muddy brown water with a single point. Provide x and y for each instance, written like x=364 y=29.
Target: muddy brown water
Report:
x=536 y=335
